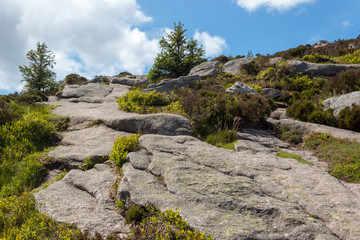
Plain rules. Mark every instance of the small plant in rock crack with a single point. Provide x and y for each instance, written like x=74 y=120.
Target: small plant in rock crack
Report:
x=122 y=146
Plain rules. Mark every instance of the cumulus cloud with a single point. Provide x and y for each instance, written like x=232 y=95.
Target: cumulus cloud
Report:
x=345 y=23
x=213 y=45
x=252 y=5
x=87 y=37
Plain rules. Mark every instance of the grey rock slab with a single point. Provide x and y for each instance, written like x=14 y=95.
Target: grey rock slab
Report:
x=262 y=137
x=129 y=80
x=240 y=195
x=322 y=43
x=320 y=69
x=241 y=88
x=94 y=142
x=255 y=147
x=91 y=90
x=108 y=113
x=233 y=66
x=206 y=69
x=279 y=113
x=168 y=85
x=307 y=128
x=340 y=102
x=83 y=198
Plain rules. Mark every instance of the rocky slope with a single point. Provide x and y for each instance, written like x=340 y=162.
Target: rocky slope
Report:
x=245 y=194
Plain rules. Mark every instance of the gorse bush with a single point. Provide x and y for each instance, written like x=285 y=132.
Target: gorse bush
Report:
x=317 y=58
x=122 y=146
x=168 y=226
x=142 y=102
x=353 y=58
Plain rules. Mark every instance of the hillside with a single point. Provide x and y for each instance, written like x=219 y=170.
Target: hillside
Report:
x=263 y=147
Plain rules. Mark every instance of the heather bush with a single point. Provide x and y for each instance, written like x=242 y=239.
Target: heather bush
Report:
x=301 y=110
x=349 y=118
x=344 y=82
x=74 y=78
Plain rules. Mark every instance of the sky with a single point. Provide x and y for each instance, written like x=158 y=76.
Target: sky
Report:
x=106 y=37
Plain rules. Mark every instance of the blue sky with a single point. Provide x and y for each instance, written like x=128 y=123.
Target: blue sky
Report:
x=96 y=37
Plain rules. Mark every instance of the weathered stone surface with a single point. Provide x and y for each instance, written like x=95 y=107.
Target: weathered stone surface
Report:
x=241 y=88
x=320 y=69
x=94 y=142
x=322 y=43
x=164 y=124
x=279 y=113
x=255 y=147
x=340 y=102
x=87 y=92
x=83 y=198
x=233 y=66
x=261 y=137
x=306 y=128
x=272 y=92
x=206 y=69
x=240 y=195
x=168 y=85
x=129 y=80
x=108 y=113
x=275 y=60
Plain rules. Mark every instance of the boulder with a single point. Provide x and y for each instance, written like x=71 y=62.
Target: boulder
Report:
x=255 y=147
x=276 y=60
x=206 y=69
x=272 y=92
x=168 y=85
x=239 y=195
x=91 y=92
x=129 y=80
x=319 y=69
x=322 y=43
x=241 y=88
x=261 y=137
x=233 y=66
x=164 y=124
x=83 y=198
x=340 y=102
x=279 y=113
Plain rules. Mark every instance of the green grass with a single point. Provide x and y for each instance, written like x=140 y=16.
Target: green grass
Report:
x=230 y=146
x=342 y=155
x=298 y=158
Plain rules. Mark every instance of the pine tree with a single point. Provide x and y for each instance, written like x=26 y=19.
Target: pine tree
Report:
x=37 y=75
x=178 y=55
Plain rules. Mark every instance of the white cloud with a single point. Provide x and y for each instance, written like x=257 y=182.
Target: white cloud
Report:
x=87 y=37
x=213 y=45
x=252 y=5
x=345 y=23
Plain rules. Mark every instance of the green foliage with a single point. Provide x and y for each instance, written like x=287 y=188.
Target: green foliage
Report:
x=142 y=102
x=349 y=118
x=135 y=214
x=301 y=110
x=342 y=155
x=317 y=58
x=298 y=158
x=37 y=75
x=74 y=78
x=20 y=220
x=5 y=115
x=222 y=137
x=178 y=55
x=353 y=58
x=122 y=146
x=344 y=82
x=167 y=226
x=89 y=162
x=291 y=135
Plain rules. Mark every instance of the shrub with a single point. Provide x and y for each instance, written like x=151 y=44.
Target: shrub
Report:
x=317 y=58
x=291 y=135
x=135 y=214
x=349 y=118
x=4 y=112
x=74 y=78
x=344 y=82
x=28 y=98
x=323 y=117
x=141 y=102
x=222 y=137
x=353 y=58
x=121 y=147
x=301 y=110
